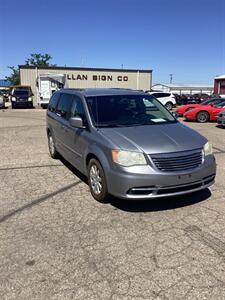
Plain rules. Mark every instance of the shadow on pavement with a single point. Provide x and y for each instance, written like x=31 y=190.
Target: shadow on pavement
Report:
x=37 y=201
x=160 y=204
x=77 y=173
x=220 y=126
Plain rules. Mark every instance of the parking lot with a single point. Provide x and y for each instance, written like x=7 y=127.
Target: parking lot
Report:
x=57 y=242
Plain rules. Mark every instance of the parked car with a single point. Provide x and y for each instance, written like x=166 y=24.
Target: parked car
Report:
x=199 y=97
x=181 y=99
x=204 y=113
x=127 y=144
x=167 y=99
x=211 y=102
x=221 y=118
x=2 y=101
x=21 y=97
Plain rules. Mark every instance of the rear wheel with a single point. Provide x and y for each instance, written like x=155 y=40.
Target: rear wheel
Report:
x=51 y=146
x=169 y=105
x=97 y=181
x=202 y=117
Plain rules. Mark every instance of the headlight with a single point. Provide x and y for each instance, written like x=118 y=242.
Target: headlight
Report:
x=13 y=98
x=128 y=158
x=30 y=99
x=208 y=149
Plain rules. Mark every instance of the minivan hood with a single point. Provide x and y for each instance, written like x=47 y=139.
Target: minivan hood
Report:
x=160 y=138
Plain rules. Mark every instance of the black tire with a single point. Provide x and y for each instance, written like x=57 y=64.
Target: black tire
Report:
x=202 y=117
x=51 y=146
x=169 y=105
x=97 y=181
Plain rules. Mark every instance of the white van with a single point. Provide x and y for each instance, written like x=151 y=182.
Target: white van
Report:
x=47 y=85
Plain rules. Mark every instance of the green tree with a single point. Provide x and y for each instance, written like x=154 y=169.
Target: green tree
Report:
x=38 y=59
x=35 y=59
x=14 y=78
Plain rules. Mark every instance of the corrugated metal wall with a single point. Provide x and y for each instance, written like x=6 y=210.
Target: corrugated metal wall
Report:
x=80 y=78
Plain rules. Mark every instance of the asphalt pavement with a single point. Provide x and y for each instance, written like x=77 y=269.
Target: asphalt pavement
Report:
x=57 y=242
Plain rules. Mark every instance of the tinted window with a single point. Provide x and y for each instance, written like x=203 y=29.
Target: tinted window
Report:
x=53 y=102
x=127 y=110
x=156 y=95
x=161 y=95
x=64 y=106
x=220 y=104
x=20 y=93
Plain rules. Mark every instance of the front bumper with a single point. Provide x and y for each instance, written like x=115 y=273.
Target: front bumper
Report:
x=22 y=103
x=149 y=184
x=189 y=117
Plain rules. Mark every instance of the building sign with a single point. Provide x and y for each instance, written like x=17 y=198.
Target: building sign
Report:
x=97 y=77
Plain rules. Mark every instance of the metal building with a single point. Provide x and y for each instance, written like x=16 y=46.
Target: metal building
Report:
x=87 y=78
x=219 y=85
x=183 y=88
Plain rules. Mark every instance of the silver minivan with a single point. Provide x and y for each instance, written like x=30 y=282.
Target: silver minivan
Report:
x=127 y=144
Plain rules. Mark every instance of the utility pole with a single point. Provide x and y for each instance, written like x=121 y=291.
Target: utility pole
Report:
x=171 y=78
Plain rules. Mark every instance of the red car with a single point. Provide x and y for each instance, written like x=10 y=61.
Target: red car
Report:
x=204 y=113
x=213 y=101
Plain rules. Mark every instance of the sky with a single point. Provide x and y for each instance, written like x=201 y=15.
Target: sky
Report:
x=185 y=38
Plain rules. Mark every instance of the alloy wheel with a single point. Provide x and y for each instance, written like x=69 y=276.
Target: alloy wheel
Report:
x=95 y=180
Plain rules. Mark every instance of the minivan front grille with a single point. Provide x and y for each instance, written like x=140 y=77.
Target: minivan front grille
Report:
x=177 y=161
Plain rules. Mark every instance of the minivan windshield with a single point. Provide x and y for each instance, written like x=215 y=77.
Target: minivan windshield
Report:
x=127 y=110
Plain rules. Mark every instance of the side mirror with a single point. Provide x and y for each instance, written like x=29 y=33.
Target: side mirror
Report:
x=76 y=122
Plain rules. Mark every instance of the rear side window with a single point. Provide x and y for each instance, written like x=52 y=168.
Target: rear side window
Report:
x=53 y=102
x=64 y=106
x=156 y=95
x=167 y=95
x=161 y=95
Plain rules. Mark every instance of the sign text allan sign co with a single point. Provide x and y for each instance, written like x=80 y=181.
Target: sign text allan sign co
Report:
x=96 y=77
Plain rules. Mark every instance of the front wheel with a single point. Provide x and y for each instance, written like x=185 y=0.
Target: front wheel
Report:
x=97 y=181
x=202 y=117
